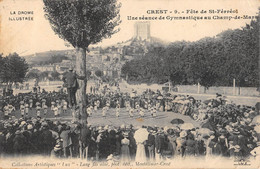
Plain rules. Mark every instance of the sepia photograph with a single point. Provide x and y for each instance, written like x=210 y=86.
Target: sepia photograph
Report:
x=129 y=84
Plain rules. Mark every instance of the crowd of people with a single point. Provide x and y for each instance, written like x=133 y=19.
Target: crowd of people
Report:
x=226 y=129
x=36 y=101
x=66 y=139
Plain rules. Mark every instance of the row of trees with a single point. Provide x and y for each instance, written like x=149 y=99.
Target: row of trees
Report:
x=13 y=69
x=37 y=74
x=53 y=59
x=211 y=61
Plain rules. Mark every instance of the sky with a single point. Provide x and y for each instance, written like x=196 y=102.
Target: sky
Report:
x=29 y=37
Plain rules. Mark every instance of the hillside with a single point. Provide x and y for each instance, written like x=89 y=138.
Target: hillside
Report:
x=131 y=47
x=45 y=56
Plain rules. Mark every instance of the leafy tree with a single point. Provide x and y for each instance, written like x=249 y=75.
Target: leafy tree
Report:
x=44 y=75
x=55 y=75
x=13 y=69
x=81 y=23
x=33 y=74
x=58 y=58
x=211 y=61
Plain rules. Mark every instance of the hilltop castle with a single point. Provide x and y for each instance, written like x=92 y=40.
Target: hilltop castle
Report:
x=142 y=31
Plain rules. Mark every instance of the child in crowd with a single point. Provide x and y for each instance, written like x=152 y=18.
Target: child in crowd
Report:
x=65 y=106
x=104 y=111
x=56 y=112
x=11 y=108
x=6 y=112
x=26 y=109
x=45 y=110
x=31 y=103
x=52 y=105
x=38 y=110
x=117 y=110
x=131 y=112
x=43 y=102
x=22 y=110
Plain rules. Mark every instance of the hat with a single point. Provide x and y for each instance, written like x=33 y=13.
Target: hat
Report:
x=70 y=68
x=110 y=157
x=125 y=134
x=246 y=114
x=194 y=133
x=183 y=134
x=57 y=147
x=242 y=122
x=101 y=131
x=235 y=131
x=106 y=127
x=237 y=147
x=222 y=136
x=212 y=137
x=122 y=126
x=219 y=125
x=18 y=132
x=23 y=123
x=29 y=127
x=99 y=128
x=165 y=128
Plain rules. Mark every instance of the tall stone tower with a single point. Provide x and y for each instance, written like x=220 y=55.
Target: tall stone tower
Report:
x=142 y=30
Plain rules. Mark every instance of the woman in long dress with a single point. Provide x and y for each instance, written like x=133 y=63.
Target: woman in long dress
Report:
x=140 y=138
x=209 y=146
x=125 y=153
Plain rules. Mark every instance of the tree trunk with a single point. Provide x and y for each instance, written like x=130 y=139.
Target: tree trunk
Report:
x=81 y=92
x=205 y=89
x=259 y=52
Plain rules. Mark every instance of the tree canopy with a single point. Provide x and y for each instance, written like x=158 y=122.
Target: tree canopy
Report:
x=83 y=22
x=13 y=68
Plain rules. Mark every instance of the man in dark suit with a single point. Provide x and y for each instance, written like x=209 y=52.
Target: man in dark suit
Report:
x=70 y=81
x=151 y=144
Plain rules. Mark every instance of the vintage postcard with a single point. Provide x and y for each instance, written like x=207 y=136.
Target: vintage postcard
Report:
x=129 y=84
